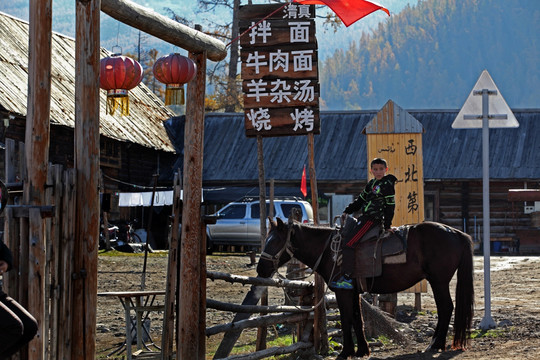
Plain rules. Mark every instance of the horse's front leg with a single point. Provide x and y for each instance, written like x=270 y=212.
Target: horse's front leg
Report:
x=358 y=324
x=345 y=304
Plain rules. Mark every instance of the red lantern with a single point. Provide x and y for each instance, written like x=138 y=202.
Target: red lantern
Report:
x=174 y=70
x=117 y=75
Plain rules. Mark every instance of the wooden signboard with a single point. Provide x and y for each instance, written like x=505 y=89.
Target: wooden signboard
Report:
x=394 y=135
x=279 y=70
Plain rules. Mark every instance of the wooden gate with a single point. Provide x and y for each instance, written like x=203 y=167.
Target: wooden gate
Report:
x=42 y=239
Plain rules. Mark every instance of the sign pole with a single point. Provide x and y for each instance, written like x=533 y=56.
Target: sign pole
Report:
x=487 y=322
x=501 y=117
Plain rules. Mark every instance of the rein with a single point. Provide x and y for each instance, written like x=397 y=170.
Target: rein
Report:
x=287 y=246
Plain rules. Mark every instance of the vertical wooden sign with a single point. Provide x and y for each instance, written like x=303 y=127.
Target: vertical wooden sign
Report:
x=393 y=134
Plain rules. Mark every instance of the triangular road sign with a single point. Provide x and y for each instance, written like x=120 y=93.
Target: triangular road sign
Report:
x=499 y=114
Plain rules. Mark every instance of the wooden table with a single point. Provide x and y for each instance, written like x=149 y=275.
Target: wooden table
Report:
x=142 y=303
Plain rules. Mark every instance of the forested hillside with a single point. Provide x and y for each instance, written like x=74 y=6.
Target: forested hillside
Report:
x=430 y=56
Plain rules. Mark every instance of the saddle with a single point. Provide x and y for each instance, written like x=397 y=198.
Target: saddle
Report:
x=377 y=248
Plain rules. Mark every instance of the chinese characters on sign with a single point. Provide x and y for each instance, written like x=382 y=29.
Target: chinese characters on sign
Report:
x=411 y=174
x=279 y=70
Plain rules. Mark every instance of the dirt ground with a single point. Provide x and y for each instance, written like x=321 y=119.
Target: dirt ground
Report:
x=515 y=307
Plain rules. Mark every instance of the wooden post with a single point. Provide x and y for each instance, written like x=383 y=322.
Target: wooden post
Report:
x=172 y=274
x=262 y=331
x=320 y=332
x=39 y=101
x=37 y=153
x=188 y=320
x=202 y=309
x=84 y=276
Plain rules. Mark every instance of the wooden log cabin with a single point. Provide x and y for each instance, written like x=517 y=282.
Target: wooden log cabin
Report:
x=132 y=148
x=452 y=163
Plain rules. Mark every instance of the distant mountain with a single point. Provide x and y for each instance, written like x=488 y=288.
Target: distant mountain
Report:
x=114 y=33
x=430 y=56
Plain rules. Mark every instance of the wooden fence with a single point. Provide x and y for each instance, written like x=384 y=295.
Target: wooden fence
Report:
x=42 y=239
x=273 y=314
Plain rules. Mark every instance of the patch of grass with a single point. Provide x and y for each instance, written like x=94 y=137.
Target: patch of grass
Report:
x=383 y=340
x=491 y=333
x=116 y=253
x=248 y=348
x=334 y=345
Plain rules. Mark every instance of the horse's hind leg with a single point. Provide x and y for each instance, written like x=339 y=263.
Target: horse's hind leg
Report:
x=358 y=324
x=445 y=307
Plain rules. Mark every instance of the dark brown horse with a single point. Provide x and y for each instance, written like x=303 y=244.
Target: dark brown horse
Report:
x=434 y=252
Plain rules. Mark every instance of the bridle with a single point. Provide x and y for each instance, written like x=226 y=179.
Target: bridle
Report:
x=287 y=247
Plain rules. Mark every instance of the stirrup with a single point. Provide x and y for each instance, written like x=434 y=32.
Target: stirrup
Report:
x=342 y=283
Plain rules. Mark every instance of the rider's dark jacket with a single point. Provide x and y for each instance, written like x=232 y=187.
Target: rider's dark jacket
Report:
x=377 y=201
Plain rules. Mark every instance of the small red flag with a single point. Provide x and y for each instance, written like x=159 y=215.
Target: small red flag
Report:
x=303 y=185
x=349 y=11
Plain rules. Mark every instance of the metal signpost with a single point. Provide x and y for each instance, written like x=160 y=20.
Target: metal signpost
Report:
x=494 y=114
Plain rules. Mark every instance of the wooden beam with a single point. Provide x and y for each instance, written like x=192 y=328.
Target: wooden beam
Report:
x=166 y=29
x=523 y=195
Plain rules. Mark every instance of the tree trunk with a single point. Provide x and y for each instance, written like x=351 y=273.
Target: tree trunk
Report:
x=232 y=89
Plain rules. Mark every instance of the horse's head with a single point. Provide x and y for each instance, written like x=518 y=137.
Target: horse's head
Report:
x=277 y=250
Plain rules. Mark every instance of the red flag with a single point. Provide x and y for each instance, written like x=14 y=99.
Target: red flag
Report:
x=303 y=185
x=349 y=11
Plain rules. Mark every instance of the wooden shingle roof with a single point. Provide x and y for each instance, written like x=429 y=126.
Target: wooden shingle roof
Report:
x=340 y=149
x=143 y=125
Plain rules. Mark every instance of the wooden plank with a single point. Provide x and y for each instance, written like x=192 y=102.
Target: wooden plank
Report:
x=279 y=32
x=282 y=124
x=11 y=239
x=167 y=338
x=190 y=267
x=273 y=12
x=164 y=28
x=67 y=225
x=23 y=211
x=282 y=63
x=55 y=264
x=523 y=195
x=280 y=93
x=36 y=282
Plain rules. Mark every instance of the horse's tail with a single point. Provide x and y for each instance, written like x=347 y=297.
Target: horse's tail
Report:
x=464 y=296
